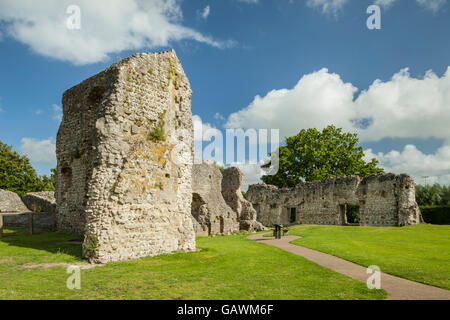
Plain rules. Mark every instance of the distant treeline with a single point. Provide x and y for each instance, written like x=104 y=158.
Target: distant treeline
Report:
x=434 y=202
x=435 y=195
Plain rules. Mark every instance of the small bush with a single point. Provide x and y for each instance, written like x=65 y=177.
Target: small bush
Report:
x=157 y=134
x=436 y=214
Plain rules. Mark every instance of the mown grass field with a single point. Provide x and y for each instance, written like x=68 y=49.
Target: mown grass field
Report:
x=229 y=267
x=420 y=253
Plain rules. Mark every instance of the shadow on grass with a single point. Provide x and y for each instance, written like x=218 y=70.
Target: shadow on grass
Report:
x=52 y=242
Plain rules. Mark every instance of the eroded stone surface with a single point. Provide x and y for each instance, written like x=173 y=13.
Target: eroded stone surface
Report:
x=124 y=150
x=40 y=201
x=232 y=182
x=384 y=200
x=10 y=201
x=211 y=213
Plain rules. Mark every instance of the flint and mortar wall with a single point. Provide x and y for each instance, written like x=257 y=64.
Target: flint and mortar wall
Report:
x=124 y=150
x=210 y=212
x=232 y=180
x=384 y=200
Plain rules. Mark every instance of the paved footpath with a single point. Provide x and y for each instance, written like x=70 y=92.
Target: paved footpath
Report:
x=397 y=288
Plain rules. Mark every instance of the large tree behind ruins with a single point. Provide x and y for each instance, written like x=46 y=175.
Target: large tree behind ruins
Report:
x=316 y=155
x=18 y=175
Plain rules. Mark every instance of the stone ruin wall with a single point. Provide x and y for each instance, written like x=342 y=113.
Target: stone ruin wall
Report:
x=232 y=181
x=384 y=200
x=218 y=206
x=43 y=204
x=211 y=214
x=120 y=181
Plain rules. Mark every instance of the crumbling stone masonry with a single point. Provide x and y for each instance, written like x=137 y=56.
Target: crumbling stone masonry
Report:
x=42 y=203
x=232 y=181
x=218 y=206
x=122 y=178
x=11 y=202
x=384 y=200
x=211 y=214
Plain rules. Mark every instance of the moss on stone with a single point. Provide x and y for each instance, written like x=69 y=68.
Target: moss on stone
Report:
x=157 y=134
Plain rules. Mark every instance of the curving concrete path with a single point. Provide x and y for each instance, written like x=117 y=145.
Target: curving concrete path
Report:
x=397 y=288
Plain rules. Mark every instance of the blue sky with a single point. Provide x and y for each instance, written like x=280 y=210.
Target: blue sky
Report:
x=309 y=63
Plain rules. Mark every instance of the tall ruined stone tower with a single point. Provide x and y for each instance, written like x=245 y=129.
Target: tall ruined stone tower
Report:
x=125 y=150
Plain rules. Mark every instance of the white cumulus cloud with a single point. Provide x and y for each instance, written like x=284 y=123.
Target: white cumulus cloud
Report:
x=385 y=3
x=317 y=100
x=399 y=108
x=436 y=167
x=327 y=6
x=433 y=5
x=39 y=151
x=206 y=12
x=107 y=26
x=249 y=1
x=407 y=107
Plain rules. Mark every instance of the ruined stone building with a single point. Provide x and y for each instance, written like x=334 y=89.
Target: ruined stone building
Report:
x=232 y=181
x=210 y=212
x=125 y=150
x=384 y=200
x=218 y=206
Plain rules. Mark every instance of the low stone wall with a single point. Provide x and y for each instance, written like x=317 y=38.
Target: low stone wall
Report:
x=41 y=221
x=40 y=201
x=384 y=200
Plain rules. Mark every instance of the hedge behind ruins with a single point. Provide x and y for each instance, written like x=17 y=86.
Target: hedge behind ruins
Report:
x=436 y=214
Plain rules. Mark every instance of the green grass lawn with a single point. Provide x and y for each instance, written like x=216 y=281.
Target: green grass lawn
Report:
x=230 y=267
x=420 y=253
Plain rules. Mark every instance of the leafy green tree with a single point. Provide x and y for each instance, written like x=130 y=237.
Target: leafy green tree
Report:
x=313 y=155
x=423 y=195
x=434 y=195
x=17 y=174
x=446 y=195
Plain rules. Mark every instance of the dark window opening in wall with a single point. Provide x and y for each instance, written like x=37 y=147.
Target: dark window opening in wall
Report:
x=197 y=206
x=222 y=225
x=353 y=215
x=293 y=215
